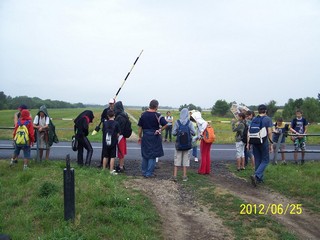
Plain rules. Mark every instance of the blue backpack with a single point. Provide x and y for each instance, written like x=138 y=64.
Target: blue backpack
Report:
x=257 y=133
x=184 y=139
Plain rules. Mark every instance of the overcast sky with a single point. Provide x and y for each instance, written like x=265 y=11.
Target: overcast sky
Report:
x=249 y=51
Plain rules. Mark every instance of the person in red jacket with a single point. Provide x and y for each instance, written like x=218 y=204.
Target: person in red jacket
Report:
x=25 y=119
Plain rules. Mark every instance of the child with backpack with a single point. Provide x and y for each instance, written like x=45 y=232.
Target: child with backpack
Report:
x=110 y=135
x=240 y=129
x=182 y=129
x=23 y=136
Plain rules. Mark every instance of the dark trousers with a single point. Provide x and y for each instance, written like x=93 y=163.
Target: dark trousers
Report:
x=84 y=143
x=168 y=132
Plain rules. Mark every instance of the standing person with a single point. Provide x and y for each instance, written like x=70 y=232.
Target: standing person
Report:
x=183 y=129
x=81 y=128
x=261 y=150
x=24 y=138
x=104 y=116
x=110 y=134
x=121 y=117
x=248 y=154
x=168 y=129
x=239 y=127
x=41 y=125
x=299 y=125
x=205 y=163
x=194 y=138
x=278 y=129
x=150 y=138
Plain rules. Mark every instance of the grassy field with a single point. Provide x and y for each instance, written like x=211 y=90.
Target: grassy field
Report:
x=65 y=127
x=31 y=205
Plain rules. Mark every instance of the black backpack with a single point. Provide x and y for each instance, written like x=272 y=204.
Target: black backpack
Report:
x=244 y=137
x=127 y=130
x=183 y=140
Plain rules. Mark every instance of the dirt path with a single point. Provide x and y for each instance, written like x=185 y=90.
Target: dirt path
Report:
x=183 y=217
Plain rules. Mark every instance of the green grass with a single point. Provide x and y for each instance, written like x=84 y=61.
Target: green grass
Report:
x=65 y=128
x=227 y=207
x=300 y=182
x=31 y=205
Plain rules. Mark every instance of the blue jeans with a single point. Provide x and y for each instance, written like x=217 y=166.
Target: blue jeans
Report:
x=148 y=166
x=195 y=151
x=261 y=157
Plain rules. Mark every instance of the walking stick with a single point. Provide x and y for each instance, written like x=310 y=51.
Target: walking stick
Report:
x=97 y=129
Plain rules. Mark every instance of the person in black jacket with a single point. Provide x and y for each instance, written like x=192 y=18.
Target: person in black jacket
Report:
x=121 y=119
x=81 y=128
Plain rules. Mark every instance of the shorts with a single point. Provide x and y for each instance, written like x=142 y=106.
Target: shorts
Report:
x=240 y=149
x=109 y=152
x=122 y=148
x=43 y=139
x=26 y=151
x=300 y=143
x=182 y=158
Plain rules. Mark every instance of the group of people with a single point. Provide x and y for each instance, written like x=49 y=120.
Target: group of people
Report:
x=27 y=132
x=259 y=151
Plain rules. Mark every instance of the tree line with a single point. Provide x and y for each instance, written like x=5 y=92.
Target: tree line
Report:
x=7 y=102
x=309 y=105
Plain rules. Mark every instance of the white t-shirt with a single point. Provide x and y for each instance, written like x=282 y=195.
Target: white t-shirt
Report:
x=42 y=121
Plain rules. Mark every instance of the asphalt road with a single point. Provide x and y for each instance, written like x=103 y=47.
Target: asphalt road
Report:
x=218 y=151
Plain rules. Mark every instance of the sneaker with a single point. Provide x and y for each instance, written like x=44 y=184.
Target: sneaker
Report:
x=173 y=178
x=196 y=159
x=185 y=178
x=243 y=168
x=284 y=163
x=25 y=167
x=12 y=162
x=253 y=180
x=113 y=172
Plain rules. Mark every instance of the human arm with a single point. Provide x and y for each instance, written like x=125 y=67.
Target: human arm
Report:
x=139 y=134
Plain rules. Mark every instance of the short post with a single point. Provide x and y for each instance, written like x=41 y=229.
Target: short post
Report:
x=69 y=193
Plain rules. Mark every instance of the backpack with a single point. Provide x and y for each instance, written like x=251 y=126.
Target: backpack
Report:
x=110 y=136
x=257 y=133
x=183 y=140
x=208 y=134
x=244 y=137
x=127 y=130
x=22 y=134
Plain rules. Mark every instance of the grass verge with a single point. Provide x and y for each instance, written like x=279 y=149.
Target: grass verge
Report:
x=31 y=205
x=298 y=181
x=227 y=207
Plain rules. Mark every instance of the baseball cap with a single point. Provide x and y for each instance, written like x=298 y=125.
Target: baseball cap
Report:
x=112 y=100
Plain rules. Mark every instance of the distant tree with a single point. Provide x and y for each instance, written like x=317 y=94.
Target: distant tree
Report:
x=3 y=101
x=190 y=107
x=272 y=108
x=290 y=108
x=311 y=109
x=220 y=108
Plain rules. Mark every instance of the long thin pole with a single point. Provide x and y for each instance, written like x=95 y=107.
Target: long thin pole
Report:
x=128 y=74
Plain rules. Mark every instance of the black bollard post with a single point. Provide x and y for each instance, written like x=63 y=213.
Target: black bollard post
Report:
x=69 y=196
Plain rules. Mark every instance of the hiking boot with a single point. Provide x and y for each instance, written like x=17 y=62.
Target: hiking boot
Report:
x=185 y=179
x=253 y=180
